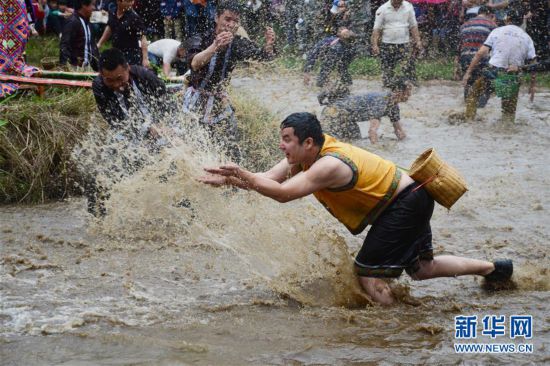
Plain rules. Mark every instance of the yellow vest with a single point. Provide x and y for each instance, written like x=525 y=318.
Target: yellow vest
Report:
x=371 y=189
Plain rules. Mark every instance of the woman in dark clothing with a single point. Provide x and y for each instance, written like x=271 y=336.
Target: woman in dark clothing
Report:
x=127 y=30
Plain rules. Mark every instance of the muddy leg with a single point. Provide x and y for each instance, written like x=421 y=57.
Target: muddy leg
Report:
x=399 y=132
x=478 y=89
x=451 y=266
x=373 y=131
x=508 y=107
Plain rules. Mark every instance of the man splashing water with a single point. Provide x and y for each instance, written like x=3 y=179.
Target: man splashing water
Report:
x=360 y=189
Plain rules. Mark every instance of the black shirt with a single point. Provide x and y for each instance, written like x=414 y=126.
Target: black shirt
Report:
x=126 y=34
x=240 y=49
x=73 y=43
x=151 y=87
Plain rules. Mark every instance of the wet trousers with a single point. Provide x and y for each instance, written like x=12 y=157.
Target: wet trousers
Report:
x=480 y=86
x=392 y=55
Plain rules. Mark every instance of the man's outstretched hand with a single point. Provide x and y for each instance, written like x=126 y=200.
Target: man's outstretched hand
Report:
x=214 y=180
x=221 y=175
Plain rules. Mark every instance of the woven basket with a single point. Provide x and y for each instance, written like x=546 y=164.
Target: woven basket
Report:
x=506 y=85
x=442 y=181
x=49 y=63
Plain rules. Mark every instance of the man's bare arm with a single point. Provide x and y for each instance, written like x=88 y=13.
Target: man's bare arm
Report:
x=375 y=38
x=326 y=172
x=416 y=38
x=481 y=53
x=279 y=173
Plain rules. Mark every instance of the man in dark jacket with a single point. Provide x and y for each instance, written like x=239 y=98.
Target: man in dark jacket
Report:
x=131 y=98
x=123 y=90
x=78 y=46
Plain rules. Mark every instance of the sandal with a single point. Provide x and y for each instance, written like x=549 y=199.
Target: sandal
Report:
x=503 y=270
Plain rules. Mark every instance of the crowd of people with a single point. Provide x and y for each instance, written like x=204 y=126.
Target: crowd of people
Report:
x=208 y=39
x=328 y=33
x=303 y=23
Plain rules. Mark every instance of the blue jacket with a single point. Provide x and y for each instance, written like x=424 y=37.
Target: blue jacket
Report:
x=171 y=8
x=192 y=10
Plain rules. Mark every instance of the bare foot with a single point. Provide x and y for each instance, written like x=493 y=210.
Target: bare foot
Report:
x=373 y=137
x=400 y=134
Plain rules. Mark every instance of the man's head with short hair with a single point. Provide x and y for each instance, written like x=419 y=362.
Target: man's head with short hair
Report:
x=332 y=94
x=345 y=34
x=484 y=10
x=229 y=5
x=396 y=3
x=228 y=17
x=114 y=69
x=80 y=3
x=305 y=125
x=181 y=51
x=514 y=15
x=124 y=4
x=84 y=7
x=111 y=59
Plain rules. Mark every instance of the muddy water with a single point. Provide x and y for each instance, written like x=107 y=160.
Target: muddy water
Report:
x=233 y=278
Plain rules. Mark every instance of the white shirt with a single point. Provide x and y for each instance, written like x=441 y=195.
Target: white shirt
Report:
x=510 y=46
x=167 y=49
x=395 y=24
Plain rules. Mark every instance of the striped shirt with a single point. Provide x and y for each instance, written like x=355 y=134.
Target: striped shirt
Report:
x=473 y=34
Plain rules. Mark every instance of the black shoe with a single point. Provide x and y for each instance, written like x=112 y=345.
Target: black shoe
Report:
x=503 y=270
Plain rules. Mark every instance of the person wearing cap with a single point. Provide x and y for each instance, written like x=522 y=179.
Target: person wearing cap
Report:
x=336 y=54
x=510 y=49
x=341 y=114
x=359 y=189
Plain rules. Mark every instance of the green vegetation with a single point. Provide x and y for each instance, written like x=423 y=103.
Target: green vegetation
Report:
x=36 y=141
x=258 y=130
x=39 y=48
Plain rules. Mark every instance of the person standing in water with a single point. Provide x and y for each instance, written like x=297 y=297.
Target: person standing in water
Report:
x=510 y=49
x=127 y=30
x=360 y=189
x=394 y=25
x=212 y=56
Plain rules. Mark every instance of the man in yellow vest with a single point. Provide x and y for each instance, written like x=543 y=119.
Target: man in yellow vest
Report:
x=360 y=189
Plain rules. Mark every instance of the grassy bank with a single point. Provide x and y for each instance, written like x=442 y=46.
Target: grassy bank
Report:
x=38 y=135
x=258 y=130
x=38 y=48
x=36 y=141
